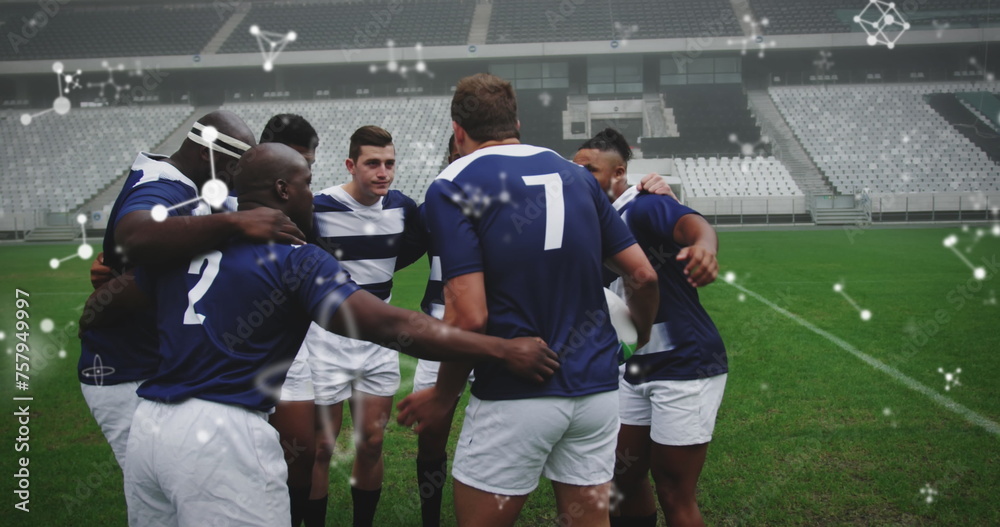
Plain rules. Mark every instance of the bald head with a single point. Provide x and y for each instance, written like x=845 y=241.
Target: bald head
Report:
x=230 y=124
x=274 y=175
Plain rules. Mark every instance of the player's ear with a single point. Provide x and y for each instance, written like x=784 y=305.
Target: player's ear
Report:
x=281 y=189
x=349 y=163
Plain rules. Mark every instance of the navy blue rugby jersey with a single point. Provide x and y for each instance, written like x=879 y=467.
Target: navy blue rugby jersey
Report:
x=539 y=228
x=232 y=320
x=127 y=351
x=684 y=343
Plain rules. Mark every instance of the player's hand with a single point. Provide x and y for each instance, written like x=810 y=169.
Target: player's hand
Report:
x=425 y=408
x=100 y=274
x=655 y=184
x=702 y=267
x=266 y=224
x=530 y=358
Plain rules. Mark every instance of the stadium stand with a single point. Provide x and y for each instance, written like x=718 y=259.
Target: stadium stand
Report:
x=794 y=17
x=420 y=127
x=711 y=120
x=735 y=177
x=108 y=31
x=516 y=21
x=885 y=138
x=357 y=25
x=57 y=162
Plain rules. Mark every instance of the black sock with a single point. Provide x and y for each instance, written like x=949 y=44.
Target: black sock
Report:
x=634 y=521
x=298 y=499
x=431 y=477
x=365 y=502
x=316 y=512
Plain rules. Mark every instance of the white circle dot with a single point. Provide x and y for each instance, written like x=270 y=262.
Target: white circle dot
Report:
x=890 y=45
x=421 y=66
x=887 y=411
x=872 y=41
x=857 y=19
x=352 y=481
x=291 y=36
x=996 y=230
x=368 y=229
x=373 y=68
x=392 y=66
x=57 y=67
x=838 y=287
x=62 y=354
x=215 y=192
x=254 y=30
x=979 y=273
x=906 y=25
x=742 y=297
x=81 y=219
x=866 y=315
x=2 y=335
x=25 y=119
x=46 y=325
x=85 y=251
x=158 y=212
x=889 y=19
x=202 y=436
x=268 y=66
x=61 y=105
x=210 y=133
x=54 y=263
x=950 y=241
x=730 y=277
x=764 y=386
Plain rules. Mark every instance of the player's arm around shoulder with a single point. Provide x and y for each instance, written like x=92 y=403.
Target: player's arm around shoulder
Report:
x=701 y=247
x=115 y=297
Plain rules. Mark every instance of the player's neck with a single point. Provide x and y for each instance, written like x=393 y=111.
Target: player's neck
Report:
x=502 y=142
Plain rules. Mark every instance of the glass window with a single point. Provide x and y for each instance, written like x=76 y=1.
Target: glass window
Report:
x=529 y=71
x=504 y=71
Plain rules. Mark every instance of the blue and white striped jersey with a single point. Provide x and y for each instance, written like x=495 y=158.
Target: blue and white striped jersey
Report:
x=370 y=242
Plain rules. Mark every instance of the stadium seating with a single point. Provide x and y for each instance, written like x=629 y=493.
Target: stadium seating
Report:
x=885 y=138
x=420 y=127
x=568 y=21
x=712 y=119
x=794 y=17
x=735 y=177
x=57 y=162
x=109 y=31
x=343 y=26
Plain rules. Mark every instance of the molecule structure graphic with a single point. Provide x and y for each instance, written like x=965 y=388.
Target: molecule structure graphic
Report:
x=271 y=44
x=84 y=252
x=979 y=273
x=928 y=492
x=110 y=83
x=950 y=378
x=882 y=22
x=393 y=66
x=61 y=104
x=866 y=315
x=755 y=36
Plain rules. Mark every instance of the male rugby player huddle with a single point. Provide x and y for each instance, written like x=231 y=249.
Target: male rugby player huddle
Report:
x=219 y=345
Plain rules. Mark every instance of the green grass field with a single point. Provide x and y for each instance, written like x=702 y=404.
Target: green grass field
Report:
x=808 y=433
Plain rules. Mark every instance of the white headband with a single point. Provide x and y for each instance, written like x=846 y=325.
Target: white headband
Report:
x=223 y=143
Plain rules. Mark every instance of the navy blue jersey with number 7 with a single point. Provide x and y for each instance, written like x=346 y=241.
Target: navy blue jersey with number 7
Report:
x=539 y=228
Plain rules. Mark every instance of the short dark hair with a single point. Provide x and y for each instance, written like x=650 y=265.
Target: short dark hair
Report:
x=290 y=129
x=485 y=107
x=609 y=140
x=370 y=135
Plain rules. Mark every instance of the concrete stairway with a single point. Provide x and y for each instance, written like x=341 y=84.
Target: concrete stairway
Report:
x=239 y=12
x=785 y=145
x=480 y=26
x=54 y=234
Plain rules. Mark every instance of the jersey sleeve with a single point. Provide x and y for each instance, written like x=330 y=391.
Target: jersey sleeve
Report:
x=415 y=240
x=453 y=234
x=147 y=195
x=318 y=281
x=615 y=236
x=658 y=215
